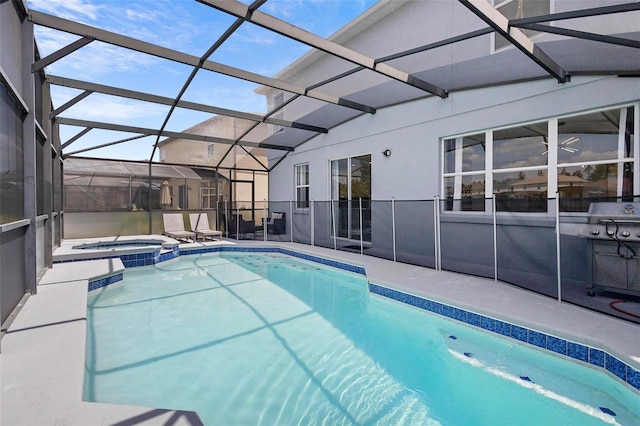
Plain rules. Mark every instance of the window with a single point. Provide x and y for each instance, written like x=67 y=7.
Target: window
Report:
x=596 y=158
x=208 y=194
x=520 y=156
x=302 y=186
x=593 y=160
x=516 y=9
x=464 y=165
x=211 y=150
x=351 y=188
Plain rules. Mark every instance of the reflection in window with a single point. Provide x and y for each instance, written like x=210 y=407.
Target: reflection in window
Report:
x=584 y=141
x=521 y=146
x=472 y=148
x=361 y=177
x=523 y=191
x=595 y=161
x=350 y=185
x=465 y=193
x=595 y=136
x=578 y=186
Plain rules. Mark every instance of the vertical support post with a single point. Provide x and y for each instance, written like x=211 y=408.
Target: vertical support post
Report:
x=290 y=219
x=393 y=226
x=621 y=154
x=217 y=212
x=47 y=173
x=237 y=221
x=226 y=218
x=636 y=149
x=264 y=220
x=436 y=233
x=495 y=239
x=333 y=222
x=439 y=234
x=29 y=143
x=361 y=241
x=58 y=184
x=558 y=247
x=149 y=215
x=313 y=241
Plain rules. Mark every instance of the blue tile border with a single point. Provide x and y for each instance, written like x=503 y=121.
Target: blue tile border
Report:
x=133 y=260
x=573 y=350
x=103 y=282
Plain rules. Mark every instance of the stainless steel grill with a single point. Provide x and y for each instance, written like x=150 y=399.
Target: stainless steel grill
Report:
x=613 y=232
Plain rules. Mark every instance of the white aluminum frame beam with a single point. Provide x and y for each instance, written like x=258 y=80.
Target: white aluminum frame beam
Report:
x=580 y=13
x=105 y=145
x=619 y=41
x=147 y=97
x=108 y=37
x=76 y=137
x=276 y=25
x=59 y=54
x=485 y=11
x=165 y=133
x=69 y=103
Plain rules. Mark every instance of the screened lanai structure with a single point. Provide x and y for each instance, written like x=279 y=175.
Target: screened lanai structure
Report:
x=416 y=105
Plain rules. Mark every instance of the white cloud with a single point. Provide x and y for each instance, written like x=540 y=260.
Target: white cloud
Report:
x=283 y=9
x=255 y=35
x=110 y=109
x=93 y=59
x=135 y=15
x=67 y=9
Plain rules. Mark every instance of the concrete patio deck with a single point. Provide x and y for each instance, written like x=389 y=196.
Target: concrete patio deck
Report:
x=42 y=358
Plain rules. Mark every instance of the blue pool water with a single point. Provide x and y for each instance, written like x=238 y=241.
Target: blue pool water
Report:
x=249 y=339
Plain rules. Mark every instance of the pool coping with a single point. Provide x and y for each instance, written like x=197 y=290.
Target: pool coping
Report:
x=53 y=322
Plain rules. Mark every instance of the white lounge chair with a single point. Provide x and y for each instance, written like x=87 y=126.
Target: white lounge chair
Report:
x=174 y=227
x=200 y=225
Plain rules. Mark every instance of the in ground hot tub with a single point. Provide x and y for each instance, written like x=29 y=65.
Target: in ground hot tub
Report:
x=105 y=245
x=132 y=251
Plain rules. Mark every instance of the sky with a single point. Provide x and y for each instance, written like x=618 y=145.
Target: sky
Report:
x=183 y=25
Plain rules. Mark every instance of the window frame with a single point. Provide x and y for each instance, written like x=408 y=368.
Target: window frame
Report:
x=297 y=186
x=552 y=168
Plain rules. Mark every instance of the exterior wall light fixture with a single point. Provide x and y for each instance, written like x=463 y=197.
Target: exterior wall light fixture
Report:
x=386 y=152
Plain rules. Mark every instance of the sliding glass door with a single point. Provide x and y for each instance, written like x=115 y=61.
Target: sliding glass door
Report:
x=351 y=188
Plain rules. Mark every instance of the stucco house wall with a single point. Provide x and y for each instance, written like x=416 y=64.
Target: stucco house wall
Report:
x=412 y=131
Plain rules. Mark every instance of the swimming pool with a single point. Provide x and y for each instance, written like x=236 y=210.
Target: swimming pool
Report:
x=263 y=338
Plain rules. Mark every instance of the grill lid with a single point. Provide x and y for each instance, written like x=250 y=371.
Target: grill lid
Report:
x=619 y=222
x=621 y=213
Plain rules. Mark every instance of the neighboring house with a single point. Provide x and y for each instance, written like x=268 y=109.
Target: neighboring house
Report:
x=222 y=157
